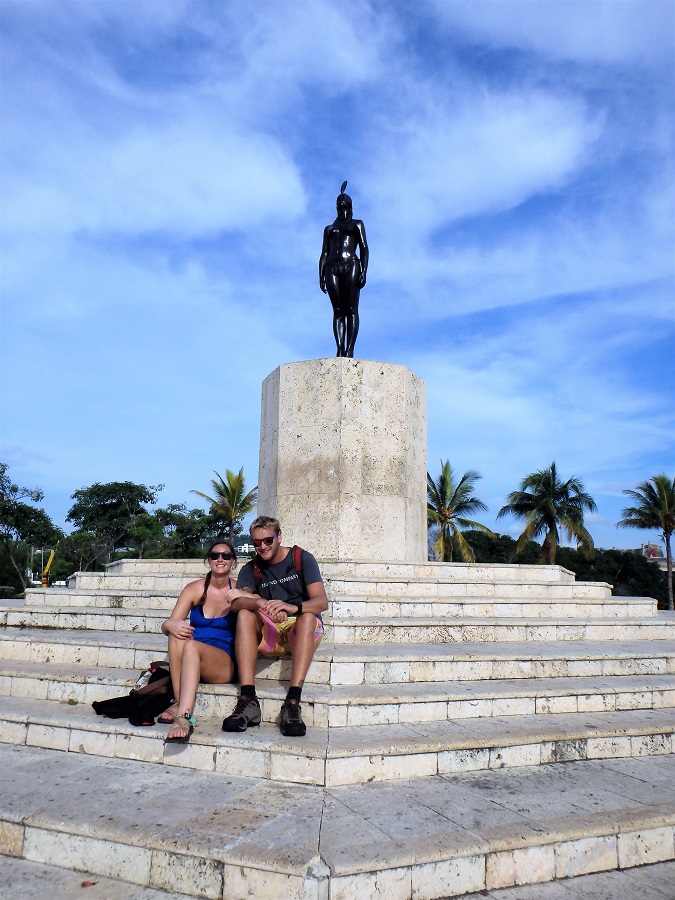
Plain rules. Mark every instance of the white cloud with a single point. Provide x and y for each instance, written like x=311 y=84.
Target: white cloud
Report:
x=607 y=31
x=186 y=178
x=480 y=155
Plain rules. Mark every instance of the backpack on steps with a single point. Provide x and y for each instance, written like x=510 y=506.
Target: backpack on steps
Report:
x=149 y=697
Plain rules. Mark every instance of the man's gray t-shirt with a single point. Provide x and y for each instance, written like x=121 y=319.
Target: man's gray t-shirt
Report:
x=281 y=581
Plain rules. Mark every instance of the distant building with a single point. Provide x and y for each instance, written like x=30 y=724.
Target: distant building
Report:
x=654 y=553
x=245 y=548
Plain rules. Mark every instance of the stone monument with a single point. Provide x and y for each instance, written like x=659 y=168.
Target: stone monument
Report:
x=343 y=459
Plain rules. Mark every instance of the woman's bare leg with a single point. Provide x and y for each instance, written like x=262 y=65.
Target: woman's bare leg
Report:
x=176 y=647
x=199 y=661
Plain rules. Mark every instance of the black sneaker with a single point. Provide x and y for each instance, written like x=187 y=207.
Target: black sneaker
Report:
x=291 y=724
x=245 y=713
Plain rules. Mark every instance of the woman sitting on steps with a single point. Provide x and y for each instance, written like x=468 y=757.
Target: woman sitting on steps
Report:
x=203 y=649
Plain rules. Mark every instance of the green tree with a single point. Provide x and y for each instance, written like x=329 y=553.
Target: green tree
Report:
x=185 y=532
x=145 y=535
x=499 y=548
x=547 y=503
x=655 y=509
x=21 y=524
x=80 y=551
x=112 y=511
x=448 y=504
x=231 y=502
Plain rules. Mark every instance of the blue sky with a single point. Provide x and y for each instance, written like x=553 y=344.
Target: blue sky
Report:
x=167 y=171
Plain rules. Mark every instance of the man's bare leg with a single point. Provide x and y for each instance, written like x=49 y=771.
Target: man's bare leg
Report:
x=291 y=723
x=247 y=709
x=249 y=632
x=303 y=652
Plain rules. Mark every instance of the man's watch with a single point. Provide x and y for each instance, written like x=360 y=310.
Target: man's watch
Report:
x=298 y=603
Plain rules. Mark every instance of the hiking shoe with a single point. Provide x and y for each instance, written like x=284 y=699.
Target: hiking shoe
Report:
x=245 y=713
x=291 y=724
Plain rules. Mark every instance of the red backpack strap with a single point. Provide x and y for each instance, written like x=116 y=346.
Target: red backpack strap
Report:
x=297 y=561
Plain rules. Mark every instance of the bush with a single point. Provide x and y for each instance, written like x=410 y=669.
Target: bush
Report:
x=7 y=591
x=629 y=573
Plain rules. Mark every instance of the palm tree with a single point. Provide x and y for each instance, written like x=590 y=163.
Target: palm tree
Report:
x=231 y=502
x=655 y=509
x=548 y=503
x=447 y=504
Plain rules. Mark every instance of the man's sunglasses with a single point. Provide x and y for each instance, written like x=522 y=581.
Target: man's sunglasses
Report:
x=268 y=541
x=227 y=555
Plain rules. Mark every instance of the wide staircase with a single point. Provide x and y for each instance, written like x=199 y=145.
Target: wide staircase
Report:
x=470 y=727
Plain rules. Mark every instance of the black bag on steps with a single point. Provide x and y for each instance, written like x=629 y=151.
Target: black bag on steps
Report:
x=149 y=697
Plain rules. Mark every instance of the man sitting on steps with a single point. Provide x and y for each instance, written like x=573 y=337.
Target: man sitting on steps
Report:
x=279 y=599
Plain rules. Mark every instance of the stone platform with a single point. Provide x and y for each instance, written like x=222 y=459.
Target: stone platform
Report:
x=470 y=728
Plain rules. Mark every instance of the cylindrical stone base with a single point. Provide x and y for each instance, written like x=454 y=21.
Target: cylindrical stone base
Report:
x=343 y=459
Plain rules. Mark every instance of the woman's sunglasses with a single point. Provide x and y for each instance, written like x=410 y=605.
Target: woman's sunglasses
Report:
x=227 y=555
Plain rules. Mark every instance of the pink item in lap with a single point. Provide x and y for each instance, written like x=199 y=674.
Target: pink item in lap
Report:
x=279 y=639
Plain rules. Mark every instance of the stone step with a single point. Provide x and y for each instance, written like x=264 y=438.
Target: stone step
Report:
x=346 y=606
x=439 y=630
x=422 y=588
x=606 y=607
x=350 y=755
x=360 y=571
x=379 y=630
x=352 y=664
x=46 y=598
x=197 y=833
x=352 y=705
x=26 y=880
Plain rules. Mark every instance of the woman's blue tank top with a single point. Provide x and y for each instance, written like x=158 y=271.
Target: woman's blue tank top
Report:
x=218 y=632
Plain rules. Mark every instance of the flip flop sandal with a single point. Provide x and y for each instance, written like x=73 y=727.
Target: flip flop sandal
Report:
x=185 y=738
x=163 y=720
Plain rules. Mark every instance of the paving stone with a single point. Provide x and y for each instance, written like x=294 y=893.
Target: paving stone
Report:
x=22 y=879
x=654 y=882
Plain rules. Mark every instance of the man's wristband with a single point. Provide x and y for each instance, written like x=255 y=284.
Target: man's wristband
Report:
x=298 y=603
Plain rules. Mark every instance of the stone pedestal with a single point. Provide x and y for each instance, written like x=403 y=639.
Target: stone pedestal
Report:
x=343 y=459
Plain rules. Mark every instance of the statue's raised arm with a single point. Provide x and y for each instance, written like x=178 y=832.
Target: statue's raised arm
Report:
x=342 y=272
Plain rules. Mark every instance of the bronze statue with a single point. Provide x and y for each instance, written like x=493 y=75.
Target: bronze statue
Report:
x=342 y=273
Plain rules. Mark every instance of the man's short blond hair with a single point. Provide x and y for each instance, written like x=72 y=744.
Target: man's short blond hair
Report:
x=265 y=522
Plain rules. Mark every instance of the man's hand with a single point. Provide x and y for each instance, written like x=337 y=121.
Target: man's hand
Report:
x=277 y=617
x=274 y=607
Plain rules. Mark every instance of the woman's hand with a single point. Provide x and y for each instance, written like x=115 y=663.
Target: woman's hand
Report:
x=237 y=594
x=179 y=629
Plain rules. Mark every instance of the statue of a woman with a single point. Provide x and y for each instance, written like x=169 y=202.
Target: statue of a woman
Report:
x=342 y=273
